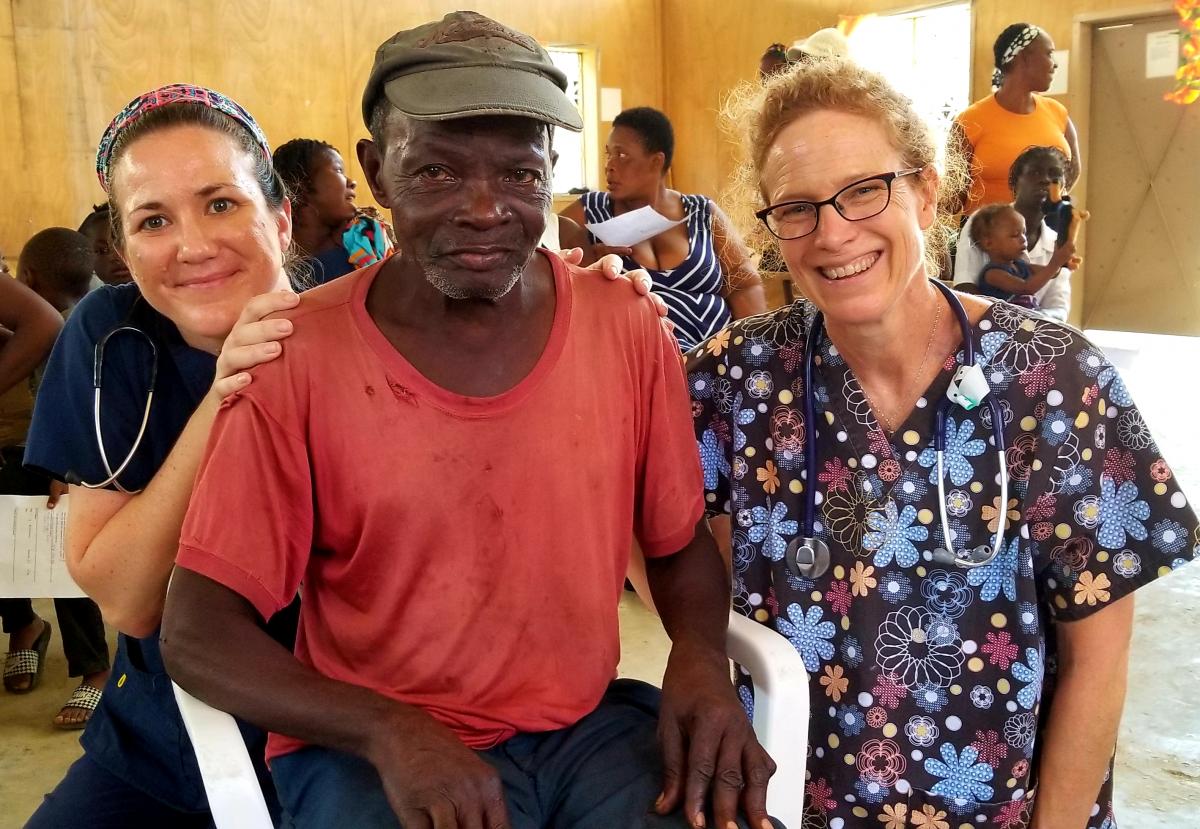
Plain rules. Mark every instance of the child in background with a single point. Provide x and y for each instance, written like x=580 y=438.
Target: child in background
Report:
x=56 y=264
x=999 y=231
x=108 y=266
x=333 y=234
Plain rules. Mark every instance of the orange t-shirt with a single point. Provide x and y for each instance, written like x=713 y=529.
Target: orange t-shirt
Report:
x=998 y=136
x=464 y=555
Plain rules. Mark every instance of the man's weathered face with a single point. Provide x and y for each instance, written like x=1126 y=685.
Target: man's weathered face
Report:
x=469 y=198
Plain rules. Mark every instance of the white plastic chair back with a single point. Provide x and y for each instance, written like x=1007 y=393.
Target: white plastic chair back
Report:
x=234 y=795
x=781 y=710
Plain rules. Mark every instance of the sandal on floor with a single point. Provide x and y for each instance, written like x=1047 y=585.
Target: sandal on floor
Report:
x=27 y=662
x=86 y=698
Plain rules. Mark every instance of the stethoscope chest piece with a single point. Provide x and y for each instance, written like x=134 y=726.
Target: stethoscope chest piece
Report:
x=807 y=558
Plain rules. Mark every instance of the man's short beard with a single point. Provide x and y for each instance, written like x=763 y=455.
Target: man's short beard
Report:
x=436 y=277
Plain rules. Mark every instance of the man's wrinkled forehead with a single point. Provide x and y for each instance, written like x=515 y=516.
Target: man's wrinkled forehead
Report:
x=522 y=134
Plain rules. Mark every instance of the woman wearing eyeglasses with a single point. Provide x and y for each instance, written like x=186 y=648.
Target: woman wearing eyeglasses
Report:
x=943 y=503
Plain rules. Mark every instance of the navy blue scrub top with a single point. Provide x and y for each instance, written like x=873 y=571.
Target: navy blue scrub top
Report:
x=330 y=264
x=136 y=733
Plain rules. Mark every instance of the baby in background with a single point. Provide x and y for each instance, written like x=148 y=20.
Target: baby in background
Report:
x=999 y=231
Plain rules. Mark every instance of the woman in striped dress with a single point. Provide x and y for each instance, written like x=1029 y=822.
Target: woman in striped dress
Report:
x=701 y=268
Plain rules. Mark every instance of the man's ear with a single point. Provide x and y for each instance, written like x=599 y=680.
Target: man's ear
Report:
x=371 y=160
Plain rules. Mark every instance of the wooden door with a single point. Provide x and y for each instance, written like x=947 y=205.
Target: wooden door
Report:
x=1143 y=185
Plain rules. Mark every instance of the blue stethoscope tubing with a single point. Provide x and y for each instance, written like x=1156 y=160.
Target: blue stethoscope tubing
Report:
x=808 y=556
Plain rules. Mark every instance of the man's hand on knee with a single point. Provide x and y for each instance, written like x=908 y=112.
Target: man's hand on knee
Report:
x=432 y=780
x=710 y=752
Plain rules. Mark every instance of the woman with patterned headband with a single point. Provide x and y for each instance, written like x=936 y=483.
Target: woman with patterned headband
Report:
x=203 y=222
x=994 y=131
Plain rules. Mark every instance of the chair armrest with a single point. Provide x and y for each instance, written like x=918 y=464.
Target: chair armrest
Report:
x=234 y=794
x=781 y=709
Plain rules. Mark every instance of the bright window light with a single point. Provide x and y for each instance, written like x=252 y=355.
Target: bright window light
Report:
x=570 y=172
x=925 y=54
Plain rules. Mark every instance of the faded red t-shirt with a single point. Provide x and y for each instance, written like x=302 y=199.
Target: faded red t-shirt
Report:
x=465 y=555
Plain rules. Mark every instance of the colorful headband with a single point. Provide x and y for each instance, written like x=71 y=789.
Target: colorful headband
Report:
x=171 y=94
x=1028 y=35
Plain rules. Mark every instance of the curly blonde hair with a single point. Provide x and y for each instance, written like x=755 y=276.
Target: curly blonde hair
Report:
x=759 y=112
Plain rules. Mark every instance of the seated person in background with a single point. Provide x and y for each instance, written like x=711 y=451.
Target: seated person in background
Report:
x=1029 y=180
x=823 y=43
x=701 y=268
x=57 y=265
x=327 y=228
x=773 y=60
x=458 y=636
x=108 y=265
x=999 y=231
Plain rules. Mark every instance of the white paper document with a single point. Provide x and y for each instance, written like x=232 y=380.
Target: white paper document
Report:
x=1162 y=53
x=630 y=228
x=33 y=550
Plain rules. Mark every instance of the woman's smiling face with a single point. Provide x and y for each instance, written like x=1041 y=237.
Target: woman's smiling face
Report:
x=855 y=272
x=198 y=235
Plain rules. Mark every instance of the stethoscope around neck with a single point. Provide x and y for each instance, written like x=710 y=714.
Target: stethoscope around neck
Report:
x=807 y=556
x=97 y=383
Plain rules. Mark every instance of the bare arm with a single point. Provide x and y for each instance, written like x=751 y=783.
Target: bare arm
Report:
x=121 y=546
x=34 y=325
x=1093 y=660
x=1039 y=275
x=593 y=251
x=572 y=235
x=743 y=285
x=1075 y=165
x=214 y=647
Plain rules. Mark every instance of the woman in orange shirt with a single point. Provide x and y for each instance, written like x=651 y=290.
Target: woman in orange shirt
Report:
x=994 y=131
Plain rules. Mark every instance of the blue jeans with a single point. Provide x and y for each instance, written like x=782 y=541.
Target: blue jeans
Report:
x=604 y=772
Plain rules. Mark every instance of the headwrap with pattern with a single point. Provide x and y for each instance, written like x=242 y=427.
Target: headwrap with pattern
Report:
x=171 y=94
x=1024 y=38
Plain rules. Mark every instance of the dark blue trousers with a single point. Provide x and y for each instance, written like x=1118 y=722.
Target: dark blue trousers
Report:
x=92 y=796
x=604 y=772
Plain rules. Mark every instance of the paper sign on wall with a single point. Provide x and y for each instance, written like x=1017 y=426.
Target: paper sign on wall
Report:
x=610 y=103
x=1162 y=53
x=1058 y=86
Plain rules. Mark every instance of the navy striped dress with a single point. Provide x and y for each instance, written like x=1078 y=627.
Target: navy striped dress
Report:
x=692 y=290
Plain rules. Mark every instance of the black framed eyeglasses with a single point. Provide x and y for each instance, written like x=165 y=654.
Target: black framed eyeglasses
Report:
x=856 y=201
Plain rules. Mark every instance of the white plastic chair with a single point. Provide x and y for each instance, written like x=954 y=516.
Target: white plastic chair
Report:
x=780 y=721
x=234 y=795
x=781 y=709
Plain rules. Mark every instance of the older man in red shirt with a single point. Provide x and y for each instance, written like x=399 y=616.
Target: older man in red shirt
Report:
x=448 y=460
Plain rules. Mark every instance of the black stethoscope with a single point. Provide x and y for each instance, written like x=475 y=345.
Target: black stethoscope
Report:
x=97 y=382
x=808 y=556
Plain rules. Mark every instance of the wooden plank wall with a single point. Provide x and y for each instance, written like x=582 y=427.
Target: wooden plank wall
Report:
x=67 y=66
x=710 y=46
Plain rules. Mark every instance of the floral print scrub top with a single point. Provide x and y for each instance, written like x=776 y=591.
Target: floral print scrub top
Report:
x=929 y=681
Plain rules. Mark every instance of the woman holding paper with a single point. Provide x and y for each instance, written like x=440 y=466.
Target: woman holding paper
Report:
x=699 y=264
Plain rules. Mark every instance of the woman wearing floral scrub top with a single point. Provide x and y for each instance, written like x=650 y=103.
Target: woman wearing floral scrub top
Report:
x=934 y=686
